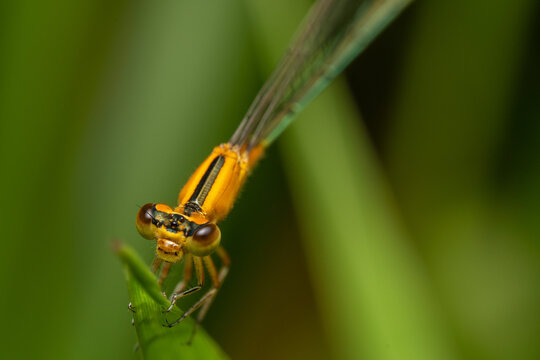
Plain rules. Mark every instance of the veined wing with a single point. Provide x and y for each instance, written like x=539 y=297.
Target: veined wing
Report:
x=333 y=33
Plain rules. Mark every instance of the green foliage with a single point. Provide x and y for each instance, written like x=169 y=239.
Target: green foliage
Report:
x=157 y=341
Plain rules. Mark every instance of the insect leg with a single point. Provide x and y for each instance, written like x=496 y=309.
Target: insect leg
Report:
x=164 y=272
x=217 y=280
x=188 y=274
x=155 y=264
x=199 y=271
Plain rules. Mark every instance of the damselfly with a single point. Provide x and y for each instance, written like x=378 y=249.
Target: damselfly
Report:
x=332 y=34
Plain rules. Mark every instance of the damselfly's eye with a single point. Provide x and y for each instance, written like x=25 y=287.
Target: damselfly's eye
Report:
x=206 y=234
x=205 y=240
x=145 y=217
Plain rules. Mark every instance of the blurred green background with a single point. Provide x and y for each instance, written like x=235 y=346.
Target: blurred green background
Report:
x=408 y=233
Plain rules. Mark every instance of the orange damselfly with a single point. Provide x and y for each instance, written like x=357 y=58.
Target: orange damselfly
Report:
x=332 y=34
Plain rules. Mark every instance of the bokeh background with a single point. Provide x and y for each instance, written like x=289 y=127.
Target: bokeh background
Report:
x=398 y=218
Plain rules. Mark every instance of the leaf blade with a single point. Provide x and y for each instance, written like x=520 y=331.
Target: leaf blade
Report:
x=157 y=341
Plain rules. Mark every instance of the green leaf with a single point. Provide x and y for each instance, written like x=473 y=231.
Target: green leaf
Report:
x=157 y=341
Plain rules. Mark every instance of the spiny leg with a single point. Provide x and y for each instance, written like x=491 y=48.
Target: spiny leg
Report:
x=217 y=280
x=195 y=306
x=164 y=272
x=132 y=309
x=212 y=271
x=155 y=264
x=199 y=271
x=207 y=299
x=188 y=274
x=225 y=263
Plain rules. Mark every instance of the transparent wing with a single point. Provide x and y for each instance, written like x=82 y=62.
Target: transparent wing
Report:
x=333 y=33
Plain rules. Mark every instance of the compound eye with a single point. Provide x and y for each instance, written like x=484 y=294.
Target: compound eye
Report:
x=144 y=221
x=205 y=240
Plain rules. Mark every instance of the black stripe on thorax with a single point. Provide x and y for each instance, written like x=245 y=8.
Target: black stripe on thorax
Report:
x=205 y=184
